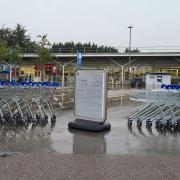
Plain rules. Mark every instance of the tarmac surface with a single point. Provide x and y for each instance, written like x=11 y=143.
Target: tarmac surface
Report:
x=49 y=166
x=121 y=153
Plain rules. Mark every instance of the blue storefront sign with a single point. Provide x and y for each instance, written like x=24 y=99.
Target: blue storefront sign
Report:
x=4 y=69
x=79 y=59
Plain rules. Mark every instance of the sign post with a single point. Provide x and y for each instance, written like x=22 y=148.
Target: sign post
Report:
x=90 y=111
x=79 y=59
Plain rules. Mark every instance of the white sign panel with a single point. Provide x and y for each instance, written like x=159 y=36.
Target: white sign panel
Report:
x=90 y=95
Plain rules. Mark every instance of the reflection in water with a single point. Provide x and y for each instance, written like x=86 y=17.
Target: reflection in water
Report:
x=84 y=142
x=140 y=131
x=160 y=132
x=149 y=130
x=131 y=131
x=24 y=139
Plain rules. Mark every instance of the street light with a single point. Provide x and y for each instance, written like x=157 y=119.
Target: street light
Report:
x=130 y=27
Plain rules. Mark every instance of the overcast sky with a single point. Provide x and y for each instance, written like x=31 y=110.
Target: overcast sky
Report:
x=155 y=22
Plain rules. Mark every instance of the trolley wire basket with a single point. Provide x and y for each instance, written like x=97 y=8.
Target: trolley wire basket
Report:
x=26 y=105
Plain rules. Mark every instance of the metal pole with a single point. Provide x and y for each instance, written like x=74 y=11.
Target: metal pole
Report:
x=122 y=68
x=122 y=76
x=63 y=67
x=10 y=73
x=129 y=76
x=62 y=75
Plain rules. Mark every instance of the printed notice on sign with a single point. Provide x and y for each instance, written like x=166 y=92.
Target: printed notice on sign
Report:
x=90 y=95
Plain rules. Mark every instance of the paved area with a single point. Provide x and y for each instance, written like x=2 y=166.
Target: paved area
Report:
x=122 y=153
x=55 y=166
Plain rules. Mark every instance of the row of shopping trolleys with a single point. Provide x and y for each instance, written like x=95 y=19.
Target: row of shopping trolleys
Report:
x=18 y=111
x=162 y=115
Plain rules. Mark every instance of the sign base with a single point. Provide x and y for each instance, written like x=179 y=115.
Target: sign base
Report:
x=89 y=125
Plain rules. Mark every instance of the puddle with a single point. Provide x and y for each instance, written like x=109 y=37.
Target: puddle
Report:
x=120 y=140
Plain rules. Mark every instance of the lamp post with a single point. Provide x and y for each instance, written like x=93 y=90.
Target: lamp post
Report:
x=129 y=76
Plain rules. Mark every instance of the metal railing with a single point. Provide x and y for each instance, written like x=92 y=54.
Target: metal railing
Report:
x=69 y=50
x=148 y=49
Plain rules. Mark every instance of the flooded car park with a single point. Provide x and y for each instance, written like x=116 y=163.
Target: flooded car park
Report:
x=119 y=140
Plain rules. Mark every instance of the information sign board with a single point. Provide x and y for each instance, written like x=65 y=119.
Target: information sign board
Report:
x=90 y=95
x=79 y=58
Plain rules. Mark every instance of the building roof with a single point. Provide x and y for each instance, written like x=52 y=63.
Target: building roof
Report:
x=157 y=73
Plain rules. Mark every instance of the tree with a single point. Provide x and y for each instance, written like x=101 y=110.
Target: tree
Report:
x=132 y=50
x=87 y=47
x=42 y=52
x=5 y=35
x=4 y=52
x=7 y=54
x=16 y=36
x=20 y=37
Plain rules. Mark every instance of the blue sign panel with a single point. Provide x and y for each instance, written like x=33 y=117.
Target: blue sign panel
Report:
x=4 y=68
x=79 y=58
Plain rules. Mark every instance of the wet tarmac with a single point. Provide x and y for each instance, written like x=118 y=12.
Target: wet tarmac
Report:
x=119 y=140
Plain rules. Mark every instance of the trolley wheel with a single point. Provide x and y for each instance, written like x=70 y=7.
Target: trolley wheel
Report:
x=18 y=119
x=46 y=118
x=175 y=125
x=168 y=124
x=12 y=121
x=29 y=120
x=38 y=119
x=43 y=122
x=7 y=117
x=148 y=123
x=164 y=125
x=129 y=123
x=34 y=121
x=157 y=123
x=22 y=121
x=3 y=120
x=172 y=124
x=54 y=116
x=53 y=120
